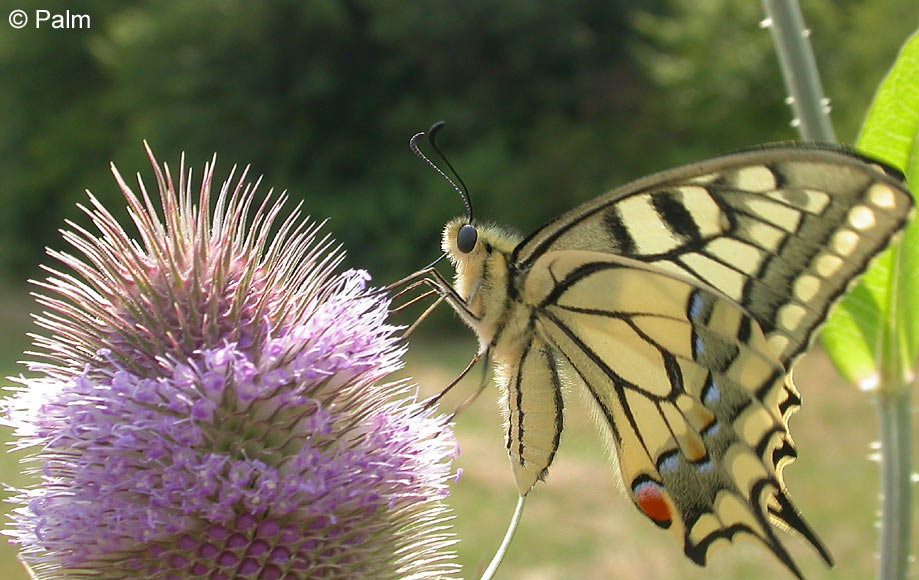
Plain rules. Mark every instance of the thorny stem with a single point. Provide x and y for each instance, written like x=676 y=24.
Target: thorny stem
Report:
x=799 y=69
x=894 y=425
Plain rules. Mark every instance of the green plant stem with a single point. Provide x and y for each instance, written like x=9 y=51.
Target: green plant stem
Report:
x=799 y=69
x=896 y=492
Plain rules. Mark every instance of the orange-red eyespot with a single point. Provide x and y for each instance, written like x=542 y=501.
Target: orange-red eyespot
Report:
x=649 y=498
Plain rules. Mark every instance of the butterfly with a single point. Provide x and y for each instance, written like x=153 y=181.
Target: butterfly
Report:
x=676 y=305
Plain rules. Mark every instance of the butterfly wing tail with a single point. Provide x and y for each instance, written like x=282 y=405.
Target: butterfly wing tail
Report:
x=782 y=451
x=785 y=514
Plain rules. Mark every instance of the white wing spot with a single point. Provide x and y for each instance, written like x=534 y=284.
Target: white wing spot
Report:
x=745 y=468
x=707 y=525
x=844 y=242
x=650 y=233
x=791 y=315
x=810 y=200
x=756 y=179
x=882 y=196
x=817 y=200
x=752 y=425
x=705 y=179
x=706 y=214
x=806 y=287
x=778 y=342
x=827 y=264
x=861 y=217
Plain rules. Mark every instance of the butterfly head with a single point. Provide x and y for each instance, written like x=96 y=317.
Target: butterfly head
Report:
x=469 y=245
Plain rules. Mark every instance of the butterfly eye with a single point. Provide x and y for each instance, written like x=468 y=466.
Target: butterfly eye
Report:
x=465 y=239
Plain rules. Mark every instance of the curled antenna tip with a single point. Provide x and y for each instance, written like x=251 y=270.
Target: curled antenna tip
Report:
x=462 y=190
x=432 y=133
x=435 y=129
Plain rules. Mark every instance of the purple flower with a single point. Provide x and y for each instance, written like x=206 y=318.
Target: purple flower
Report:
x=207 y=403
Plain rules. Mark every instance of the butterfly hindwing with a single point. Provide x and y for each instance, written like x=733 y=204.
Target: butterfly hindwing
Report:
x=684 y=383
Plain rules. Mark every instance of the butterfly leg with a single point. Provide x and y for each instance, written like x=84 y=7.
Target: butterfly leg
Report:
x=435 y=280
x=482 y=384
x=424 y=315
x=412 y=301
x=436 y=398
x=439 y=284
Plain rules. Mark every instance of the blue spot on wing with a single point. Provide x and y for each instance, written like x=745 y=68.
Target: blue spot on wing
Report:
x=706 y=466
x=712 y=429
x=669 y=462
x=711 y=394
x=695 y=307
x=698 y=346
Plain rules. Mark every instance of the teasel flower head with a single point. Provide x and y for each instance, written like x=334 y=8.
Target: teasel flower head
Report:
x=209 y=400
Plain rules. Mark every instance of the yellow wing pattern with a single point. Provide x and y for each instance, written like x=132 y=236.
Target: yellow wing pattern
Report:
x=692 y=396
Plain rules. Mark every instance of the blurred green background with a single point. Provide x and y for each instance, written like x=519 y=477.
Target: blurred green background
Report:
x=547 y=103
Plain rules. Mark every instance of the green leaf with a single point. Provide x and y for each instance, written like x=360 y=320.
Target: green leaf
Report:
x=873 y=336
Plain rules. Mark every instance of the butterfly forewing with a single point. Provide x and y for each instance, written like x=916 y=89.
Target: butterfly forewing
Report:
x=781 y=231
x=677 y=304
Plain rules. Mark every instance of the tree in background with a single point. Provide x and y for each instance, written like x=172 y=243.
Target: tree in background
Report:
x=548 y=104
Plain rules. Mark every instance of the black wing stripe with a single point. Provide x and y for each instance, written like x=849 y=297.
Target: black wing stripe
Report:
x=522 y=443
x=618 y=231
x=787 y=513
x=559 y=405
x=674 y=212
x=515 y=406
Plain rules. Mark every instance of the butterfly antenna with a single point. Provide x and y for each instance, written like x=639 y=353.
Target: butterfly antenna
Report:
x=432 y=134
x=462 y=190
